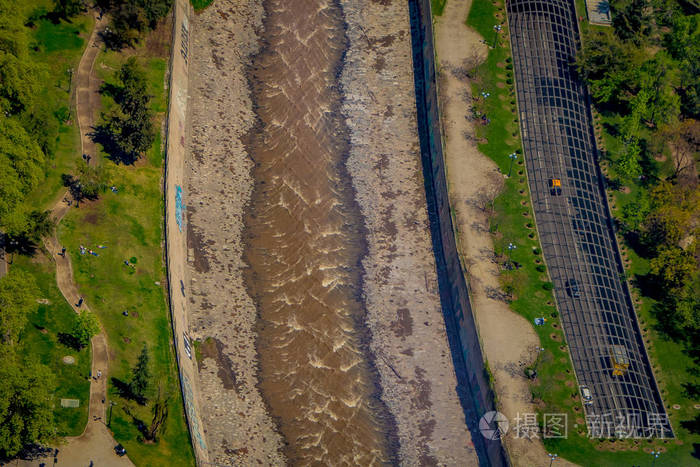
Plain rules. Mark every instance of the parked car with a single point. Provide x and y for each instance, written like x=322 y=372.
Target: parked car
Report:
x=586 y=395
x=119 y=449
x=572 y=288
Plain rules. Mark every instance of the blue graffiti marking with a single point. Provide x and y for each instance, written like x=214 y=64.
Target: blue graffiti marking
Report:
x=178 y=206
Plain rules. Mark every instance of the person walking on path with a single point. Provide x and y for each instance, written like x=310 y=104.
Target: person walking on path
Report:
x=80 y=302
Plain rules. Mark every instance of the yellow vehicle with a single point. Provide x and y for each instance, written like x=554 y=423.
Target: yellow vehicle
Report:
x=620 y=360
x=555 y=186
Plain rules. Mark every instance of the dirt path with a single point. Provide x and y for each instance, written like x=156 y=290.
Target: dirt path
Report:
x=509 y=340
x=87 y=98
x=96 y=442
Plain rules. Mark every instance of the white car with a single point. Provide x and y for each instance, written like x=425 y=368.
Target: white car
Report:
x=586 y=395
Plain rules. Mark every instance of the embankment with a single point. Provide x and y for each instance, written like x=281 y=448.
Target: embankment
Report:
x=474 y=389
x=175 y=235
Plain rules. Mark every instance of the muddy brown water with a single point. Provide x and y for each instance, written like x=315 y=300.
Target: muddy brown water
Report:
x=304 y=244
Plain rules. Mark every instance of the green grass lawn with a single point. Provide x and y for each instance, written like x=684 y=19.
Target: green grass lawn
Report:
x=59 y=48
x=554 y=390
x=129 y=224
x=40 y=341
x=200 y=4
x=437 y=7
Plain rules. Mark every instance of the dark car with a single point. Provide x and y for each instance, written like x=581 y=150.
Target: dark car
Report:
x=119 y=449
x=572 y=288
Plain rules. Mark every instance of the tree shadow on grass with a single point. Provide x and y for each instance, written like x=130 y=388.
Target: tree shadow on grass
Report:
x=692 y=425
x=104 y=134
x=696 y=450
x=69 y=341
x=124 y=390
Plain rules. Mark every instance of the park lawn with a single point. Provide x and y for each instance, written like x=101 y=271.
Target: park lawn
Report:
x=436 y=7
x=554 y=390
x=199 y=5
x=40 y=341
x=130 y=225
x=59 y=48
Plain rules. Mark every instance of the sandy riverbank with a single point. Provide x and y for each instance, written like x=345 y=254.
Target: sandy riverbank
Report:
x=400 y=281
x=238 y=429
x=509 y=341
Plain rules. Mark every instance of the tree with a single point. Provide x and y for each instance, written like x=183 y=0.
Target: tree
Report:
x=18 y=292
x=674 y=266
x=631 y=19
x=634 y=213
x=127 y=131
x=25 y=230
x=132 y=17
x=133 y=95
x=683 y=140
x=85 y=327
x=683 y=43
x=658 y=78
x=140 y=377
x=68 y=8
x=627 y=165
x=90 y=182
x=670 y=219
x=21 y=165
x=26 y=415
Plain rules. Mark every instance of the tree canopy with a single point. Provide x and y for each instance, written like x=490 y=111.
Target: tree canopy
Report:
x=85 y=327
x=18 y=293
x=130 y=18
x=644 y=77
x=126 y=131
x=26 y=417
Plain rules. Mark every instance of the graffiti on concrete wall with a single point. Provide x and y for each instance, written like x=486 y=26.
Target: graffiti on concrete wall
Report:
x=178 y=206
x=192 y=414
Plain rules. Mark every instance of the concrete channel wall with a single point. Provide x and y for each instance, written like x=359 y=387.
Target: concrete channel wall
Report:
x=475 y=392
x=175 y=231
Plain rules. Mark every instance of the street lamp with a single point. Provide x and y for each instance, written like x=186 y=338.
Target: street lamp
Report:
x=656 y=455
x=552 y=457
x=512 y=157
x=109 y=418
x=510 y=247
x=496 y=29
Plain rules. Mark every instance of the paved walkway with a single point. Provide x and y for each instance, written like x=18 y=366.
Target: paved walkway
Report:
x=96 y=443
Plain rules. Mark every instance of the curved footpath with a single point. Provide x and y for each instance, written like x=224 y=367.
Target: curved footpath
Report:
x=96 y=443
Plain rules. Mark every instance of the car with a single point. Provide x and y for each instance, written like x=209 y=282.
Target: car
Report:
x=119 y=449
x=572 y=288
x=586 y=395
x=555 y=186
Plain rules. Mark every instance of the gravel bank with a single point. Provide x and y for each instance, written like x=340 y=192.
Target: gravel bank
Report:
x=400 y=282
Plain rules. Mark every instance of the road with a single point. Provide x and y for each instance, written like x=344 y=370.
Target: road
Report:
x=576 y=230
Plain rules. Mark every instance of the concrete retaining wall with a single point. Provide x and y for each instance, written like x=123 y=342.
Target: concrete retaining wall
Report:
x=474 y=390
x=175 y=231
